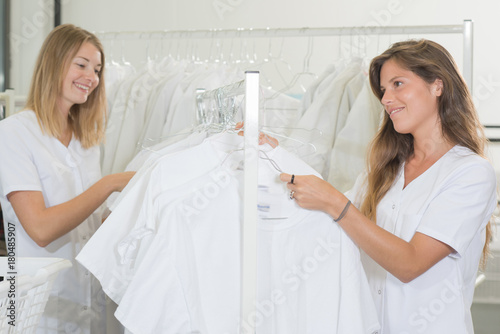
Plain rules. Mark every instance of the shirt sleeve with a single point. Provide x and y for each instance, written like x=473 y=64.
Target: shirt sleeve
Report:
x=17 y=169
x=358 y=190
x=462 y=206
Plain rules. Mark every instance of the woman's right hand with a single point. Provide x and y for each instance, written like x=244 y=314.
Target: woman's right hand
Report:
x=313 y=193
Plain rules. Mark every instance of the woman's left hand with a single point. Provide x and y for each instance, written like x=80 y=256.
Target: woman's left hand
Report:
x=311 y=192
x=263 y=138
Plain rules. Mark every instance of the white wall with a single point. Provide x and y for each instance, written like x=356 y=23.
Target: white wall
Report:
x=32 y=20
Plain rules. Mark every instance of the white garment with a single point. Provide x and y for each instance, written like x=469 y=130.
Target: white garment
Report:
x=186 y=227
x=114 y=75
x=134 y=116
x=451 y=202
x=327 y=114
x=348 y=156
x=310 y=277
x=160 y=103
x=33 y=161
x=182 y=111
x=115 y=121
x=141 y=240
x=156 y=103
x=315 y=88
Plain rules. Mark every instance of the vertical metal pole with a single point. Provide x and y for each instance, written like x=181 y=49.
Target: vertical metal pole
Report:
x=468 y=52
x=249 y=228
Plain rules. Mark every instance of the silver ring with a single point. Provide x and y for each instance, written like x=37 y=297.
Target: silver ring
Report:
x=291 y=194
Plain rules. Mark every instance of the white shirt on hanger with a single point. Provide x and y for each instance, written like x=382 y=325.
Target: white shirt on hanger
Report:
x=186 y=227
x=116 y=118
x=157 y=111
x=326 y=114
x=182 y=111
x=348 y=156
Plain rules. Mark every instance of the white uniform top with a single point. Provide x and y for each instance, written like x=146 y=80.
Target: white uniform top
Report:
x=452 y=202
x=33 y=161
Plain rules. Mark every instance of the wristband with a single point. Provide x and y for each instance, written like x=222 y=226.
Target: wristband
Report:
x=343 y=213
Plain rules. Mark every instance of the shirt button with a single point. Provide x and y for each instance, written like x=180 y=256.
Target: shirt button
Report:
x=393 y=206
x=379 y=292
x=84 y=308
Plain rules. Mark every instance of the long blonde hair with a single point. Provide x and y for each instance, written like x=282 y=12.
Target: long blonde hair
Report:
x=459 y=120
x=88 y=120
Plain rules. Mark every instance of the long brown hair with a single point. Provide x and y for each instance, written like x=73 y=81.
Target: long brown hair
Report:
x=88 y=120
x=459 y=120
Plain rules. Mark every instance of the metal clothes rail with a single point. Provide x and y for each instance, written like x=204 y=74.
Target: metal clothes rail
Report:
x=466 y=29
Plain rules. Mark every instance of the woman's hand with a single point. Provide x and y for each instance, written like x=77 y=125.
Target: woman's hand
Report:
x=311 y=192
x=118 y=181
x=263 y=138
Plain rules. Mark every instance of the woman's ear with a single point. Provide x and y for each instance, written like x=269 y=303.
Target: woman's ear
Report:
x=437 y=87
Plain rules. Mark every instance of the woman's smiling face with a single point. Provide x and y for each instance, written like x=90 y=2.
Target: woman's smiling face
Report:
x=411 y=103
x=82 y=76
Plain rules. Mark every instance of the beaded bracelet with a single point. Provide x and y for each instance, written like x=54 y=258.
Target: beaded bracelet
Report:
x=343 y=213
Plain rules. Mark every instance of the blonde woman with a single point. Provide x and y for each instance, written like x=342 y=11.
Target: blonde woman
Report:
x=421 y=213
x=50 y=181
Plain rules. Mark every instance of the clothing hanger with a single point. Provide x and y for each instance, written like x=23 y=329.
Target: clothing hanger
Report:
x=298 y=85
x=278 y=61
x=214 y=115
x=260 y=66
x=294 y=145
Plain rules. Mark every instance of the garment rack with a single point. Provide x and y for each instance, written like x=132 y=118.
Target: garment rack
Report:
x=248 y=292
x=466 y=29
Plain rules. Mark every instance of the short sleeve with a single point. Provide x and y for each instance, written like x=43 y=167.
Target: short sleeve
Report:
x=358 y=190
x=17 y=169
x=462 y=207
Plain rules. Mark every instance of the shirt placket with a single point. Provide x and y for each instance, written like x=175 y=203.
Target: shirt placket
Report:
x=394 y=205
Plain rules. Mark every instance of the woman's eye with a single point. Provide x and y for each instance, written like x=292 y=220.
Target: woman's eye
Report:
x=397 y=83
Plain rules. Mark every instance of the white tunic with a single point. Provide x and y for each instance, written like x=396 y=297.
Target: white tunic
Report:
x=33 y=161
x=452 y=202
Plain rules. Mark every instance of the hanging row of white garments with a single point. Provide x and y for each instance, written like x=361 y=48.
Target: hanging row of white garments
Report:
x=169 y=253
x=157 y=102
